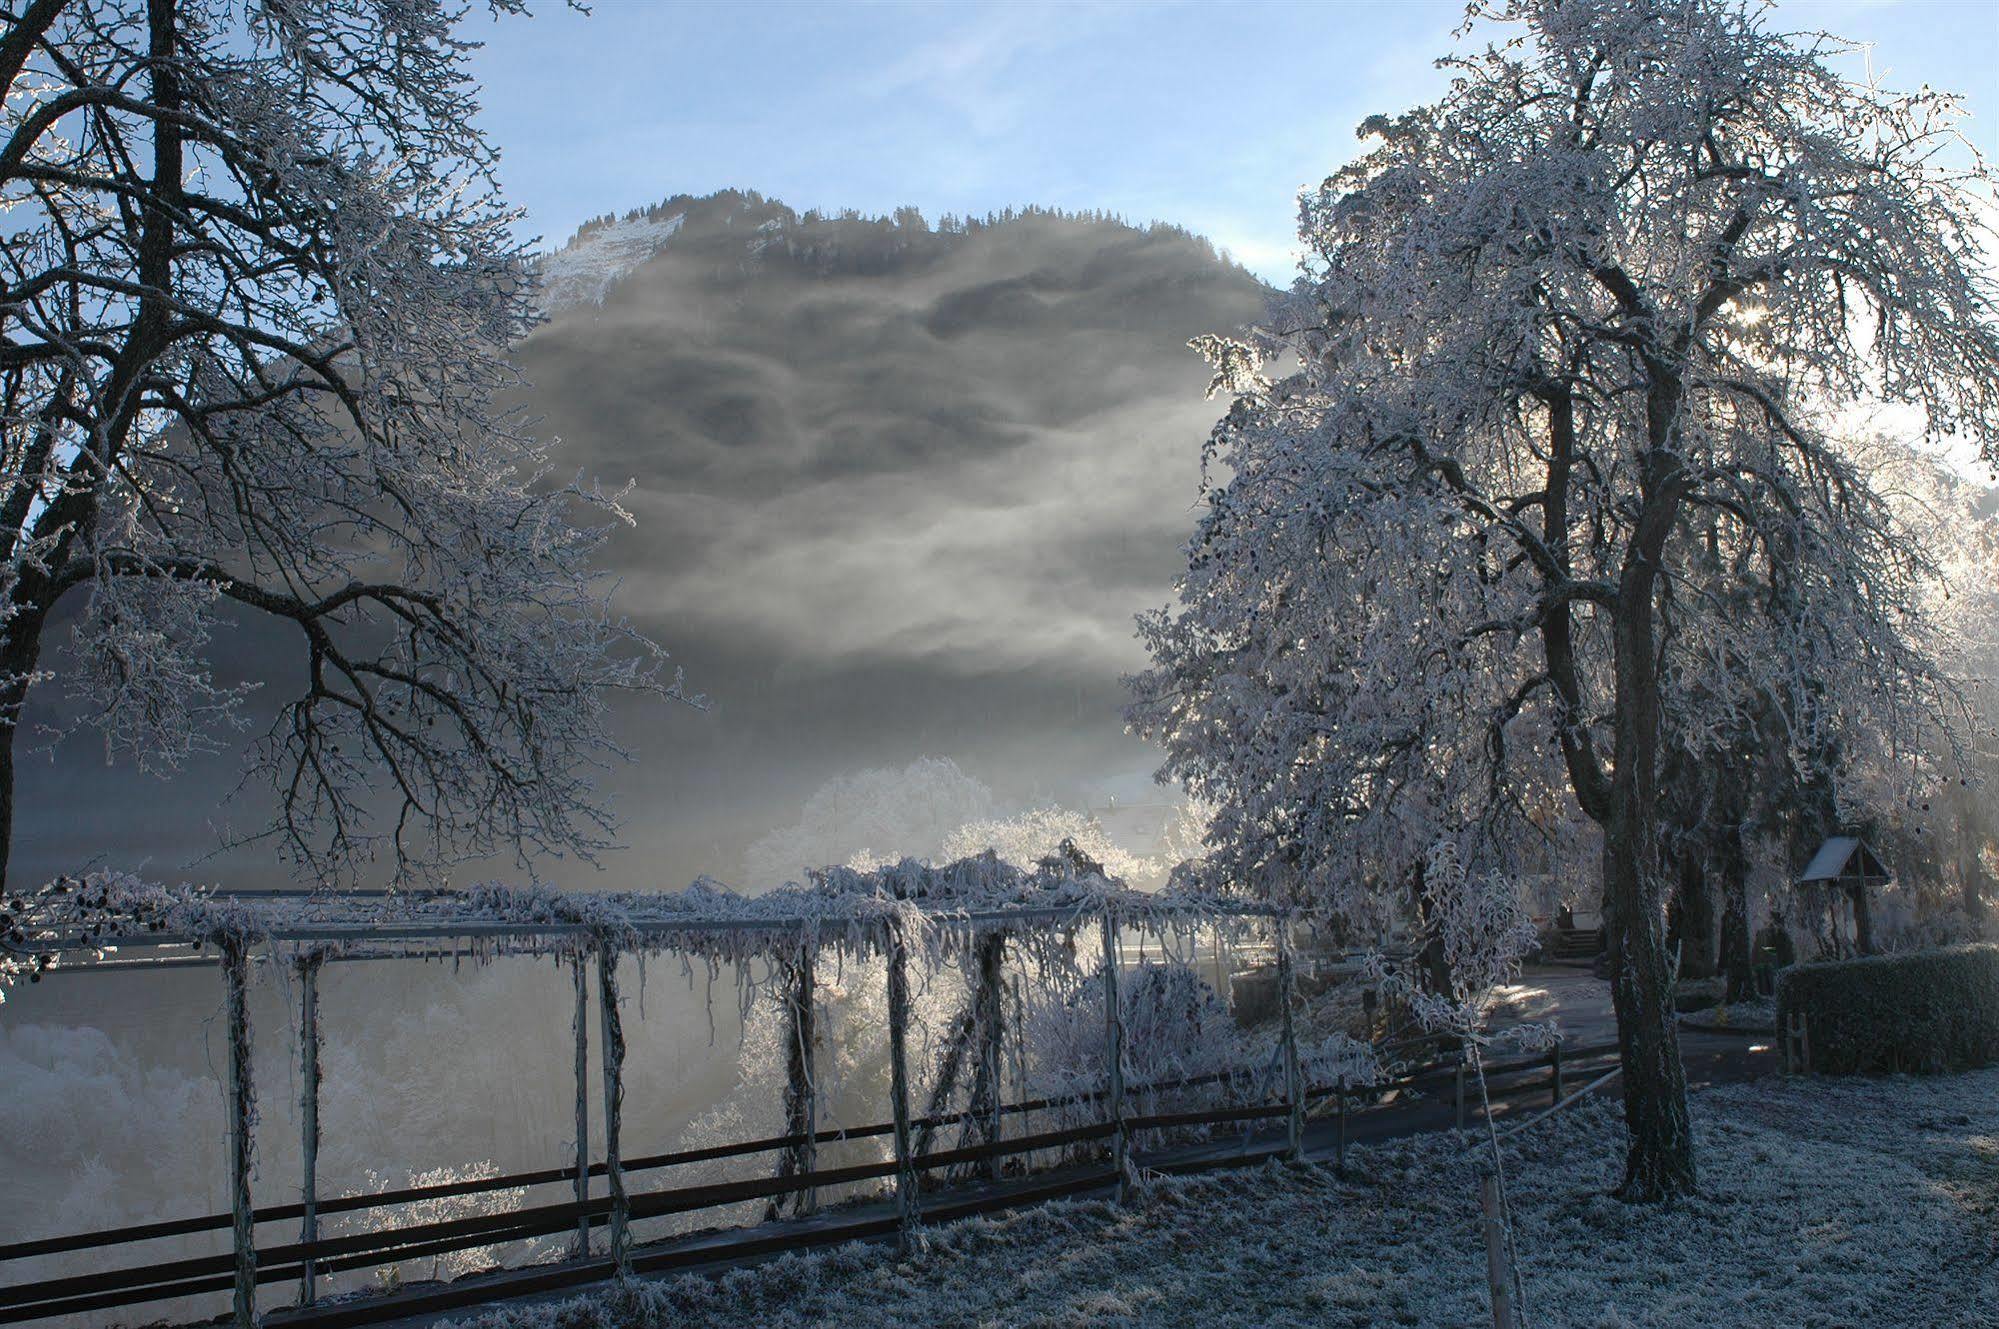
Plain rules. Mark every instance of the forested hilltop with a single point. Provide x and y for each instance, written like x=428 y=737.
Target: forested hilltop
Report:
x=846 y=243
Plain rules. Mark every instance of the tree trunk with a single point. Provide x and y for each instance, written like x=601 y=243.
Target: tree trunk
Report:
x=21 y=620
x=6 y=792
x=1978 y=886
x=1975 y=885
x=1436 y=966
x=1692 y=915
x=1731 y=865
x=949 y=1069
x=1659 y=1160
x=13 y=695
x=1687 y=840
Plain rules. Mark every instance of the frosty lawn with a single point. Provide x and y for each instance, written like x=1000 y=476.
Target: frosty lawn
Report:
x=1826 y=1203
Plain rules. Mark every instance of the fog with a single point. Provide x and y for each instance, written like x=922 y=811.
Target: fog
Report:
x=898 y=493
x=898 y=497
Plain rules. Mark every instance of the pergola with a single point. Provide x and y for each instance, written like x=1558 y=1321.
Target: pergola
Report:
x=970 y=908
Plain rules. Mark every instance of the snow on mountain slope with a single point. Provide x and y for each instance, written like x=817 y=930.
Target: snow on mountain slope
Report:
x=581 y=272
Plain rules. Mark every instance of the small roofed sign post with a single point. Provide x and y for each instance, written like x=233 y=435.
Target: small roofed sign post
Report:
x=1844 y=865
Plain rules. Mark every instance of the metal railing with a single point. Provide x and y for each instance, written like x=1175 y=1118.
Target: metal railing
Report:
x=282 y=1262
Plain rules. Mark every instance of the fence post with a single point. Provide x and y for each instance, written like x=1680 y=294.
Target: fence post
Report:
x=308 y=1115
x=581 y=1028
x=1341 y=1156
x=1294 y=1082
x=613 y=1056
x=1797 y=1046
x=907 y=1205
x=1114 y=1060
x=1497 y=1277
x=1555 y=1065
x=241 y=1103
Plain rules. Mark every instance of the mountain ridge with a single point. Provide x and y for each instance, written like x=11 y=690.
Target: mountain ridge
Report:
x=606 y=248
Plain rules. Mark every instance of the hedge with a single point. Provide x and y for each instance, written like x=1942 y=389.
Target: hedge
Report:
x=1924 y=1011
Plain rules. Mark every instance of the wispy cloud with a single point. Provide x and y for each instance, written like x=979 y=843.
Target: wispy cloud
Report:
x=987 y=67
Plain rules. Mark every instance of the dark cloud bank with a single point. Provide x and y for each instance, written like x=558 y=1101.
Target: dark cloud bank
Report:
x=899 y=491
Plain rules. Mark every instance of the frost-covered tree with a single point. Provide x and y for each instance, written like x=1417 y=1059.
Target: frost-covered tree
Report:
x=1577 y=343
x=870 y=817
x=1934 y=831
x=257 y=289
x=1028 y=837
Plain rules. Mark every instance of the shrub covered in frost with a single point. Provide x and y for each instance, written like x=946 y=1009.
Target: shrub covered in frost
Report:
x=1922 y=1011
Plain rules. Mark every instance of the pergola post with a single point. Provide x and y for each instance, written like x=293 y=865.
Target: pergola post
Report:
x=308 y=1115
x=1114 y=1060
x=907 y=1207
x=613 y=1057
x=241 y=1100
x=986 y=1094
x=1294 y=1080
x=580 y=1247
x=804 y=1089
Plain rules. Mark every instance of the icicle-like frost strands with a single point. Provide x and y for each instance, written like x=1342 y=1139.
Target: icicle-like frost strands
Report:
x=950 y=906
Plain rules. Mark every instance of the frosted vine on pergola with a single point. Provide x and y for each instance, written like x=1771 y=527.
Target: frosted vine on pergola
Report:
x=973 y=908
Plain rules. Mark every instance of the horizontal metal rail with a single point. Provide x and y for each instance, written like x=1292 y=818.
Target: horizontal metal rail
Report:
x=548 y=1278
x=176 y=1278
x=205 y=1274
x=181 y=1227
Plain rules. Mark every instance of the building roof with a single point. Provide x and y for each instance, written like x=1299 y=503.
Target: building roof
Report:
x=1844 y=858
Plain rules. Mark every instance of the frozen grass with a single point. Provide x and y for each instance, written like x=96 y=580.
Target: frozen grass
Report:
x=1854 y=1202
x=1755 y=1016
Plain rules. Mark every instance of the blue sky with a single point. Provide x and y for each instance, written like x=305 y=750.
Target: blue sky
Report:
x=1209 y=115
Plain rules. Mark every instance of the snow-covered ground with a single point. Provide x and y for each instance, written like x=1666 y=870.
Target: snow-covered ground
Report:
x=1851 y=1202
x=1756 y=1016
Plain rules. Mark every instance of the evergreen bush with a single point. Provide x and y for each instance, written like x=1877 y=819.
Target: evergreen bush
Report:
x=1933 y=1010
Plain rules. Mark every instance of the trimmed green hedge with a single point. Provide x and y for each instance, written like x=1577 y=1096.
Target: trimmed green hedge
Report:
x=1924 y=1011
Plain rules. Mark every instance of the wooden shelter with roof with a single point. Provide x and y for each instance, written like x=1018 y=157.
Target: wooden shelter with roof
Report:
x=1845 y=866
